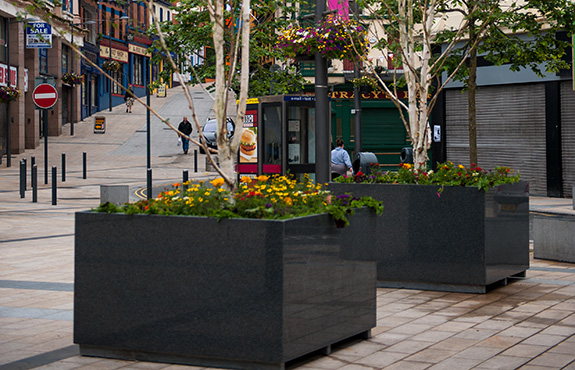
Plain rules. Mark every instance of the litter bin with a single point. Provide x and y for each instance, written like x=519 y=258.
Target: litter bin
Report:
x=363 y=161
x=406 y=155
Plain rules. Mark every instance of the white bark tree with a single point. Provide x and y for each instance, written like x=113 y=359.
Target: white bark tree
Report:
x=227 y=148
x=413 y=24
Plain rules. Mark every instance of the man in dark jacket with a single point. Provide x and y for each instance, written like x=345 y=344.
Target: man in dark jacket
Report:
x=185 y=127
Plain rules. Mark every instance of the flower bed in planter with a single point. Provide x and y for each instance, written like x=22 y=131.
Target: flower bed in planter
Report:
x=244 y=293
x=462 y=239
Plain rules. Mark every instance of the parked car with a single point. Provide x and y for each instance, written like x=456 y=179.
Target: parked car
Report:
x=210 y=134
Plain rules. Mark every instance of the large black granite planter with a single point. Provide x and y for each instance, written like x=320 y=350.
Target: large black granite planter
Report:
x=237 y=293
x=462 y=241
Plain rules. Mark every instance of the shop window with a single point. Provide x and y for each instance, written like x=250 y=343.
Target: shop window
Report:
x=138 y=67
x=65 y=51
x=43 y=60
x=3 y=39
x=117 y=76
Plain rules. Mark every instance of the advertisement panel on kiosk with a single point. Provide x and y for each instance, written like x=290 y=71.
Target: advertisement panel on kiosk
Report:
x=248 y=154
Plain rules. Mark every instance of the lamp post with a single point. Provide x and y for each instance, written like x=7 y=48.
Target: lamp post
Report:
x=8 y=81
x=72 y=71
x=124 y=17
x=322 y=147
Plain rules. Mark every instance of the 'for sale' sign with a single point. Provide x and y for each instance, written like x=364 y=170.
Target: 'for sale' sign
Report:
x=38 y=35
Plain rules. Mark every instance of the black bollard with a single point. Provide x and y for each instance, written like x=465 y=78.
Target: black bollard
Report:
x=25 y=170
x=32 y=163
x=84 y=165
x=22 y=179
x=54 y=180
x=185 y=179
x=195 y=160
x=34 y=183
x=63 y=167
x=149 y=184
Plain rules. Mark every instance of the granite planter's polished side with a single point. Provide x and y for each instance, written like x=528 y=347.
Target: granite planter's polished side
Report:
x=237 y=293
x=462 y=240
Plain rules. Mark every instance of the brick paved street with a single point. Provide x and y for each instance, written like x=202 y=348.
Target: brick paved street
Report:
x=527 y=324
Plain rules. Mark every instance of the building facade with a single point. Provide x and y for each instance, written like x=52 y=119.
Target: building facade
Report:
x=104 y=32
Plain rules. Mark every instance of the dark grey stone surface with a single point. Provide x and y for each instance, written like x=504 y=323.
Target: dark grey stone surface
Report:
x=235 y=293
x=553 y=236
x=463 y=239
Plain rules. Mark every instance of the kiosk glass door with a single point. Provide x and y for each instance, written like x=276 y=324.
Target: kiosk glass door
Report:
x=301 y=139
x=272 y=132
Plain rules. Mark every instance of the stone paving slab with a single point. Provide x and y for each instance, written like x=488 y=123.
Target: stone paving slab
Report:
x=527 y=324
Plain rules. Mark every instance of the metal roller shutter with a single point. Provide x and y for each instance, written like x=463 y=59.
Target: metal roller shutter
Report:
x=568 y=137
x=510 y=130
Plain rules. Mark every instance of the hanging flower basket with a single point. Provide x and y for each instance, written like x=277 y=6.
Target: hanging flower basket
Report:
x=8 y=94
x=334 y=38
x=111 y=65
x=72 y=78
x=365 y=82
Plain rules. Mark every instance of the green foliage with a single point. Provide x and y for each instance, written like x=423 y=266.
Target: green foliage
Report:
x=521 y=35
x=447 y=174
x=276 y=197
x=192 y=31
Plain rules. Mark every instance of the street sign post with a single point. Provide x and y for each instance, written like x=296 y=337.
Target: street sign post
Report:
x=45 y=96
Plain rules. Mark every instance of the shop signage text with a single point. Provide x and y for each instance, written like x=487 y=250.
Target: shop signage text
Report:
x=117 y=54
x=135 y=49
x=4 y=75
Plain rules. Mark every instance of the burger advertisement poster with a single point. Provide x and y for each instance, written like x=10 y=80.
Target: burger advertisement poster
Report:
x=248 y=145
x=249 y=138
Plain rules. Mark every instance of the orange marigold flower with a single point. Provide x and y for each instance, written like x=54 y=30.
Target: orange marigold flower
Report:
x=217 y=182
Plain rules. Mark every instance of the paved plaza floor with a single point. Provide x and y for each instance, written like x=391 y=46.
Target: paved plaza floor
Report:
x=527 y=324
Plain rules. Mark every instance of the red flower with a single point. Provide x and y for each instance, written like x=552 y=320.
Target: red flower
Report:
x=359 y=173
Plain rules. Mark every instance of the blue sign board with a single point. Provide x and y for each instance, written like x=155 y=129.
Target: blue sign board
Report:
x=299 y=98
x=38 y=35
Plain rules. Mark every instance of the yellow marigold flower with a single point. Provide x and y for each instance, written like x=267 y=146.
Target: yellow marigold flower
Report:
x=461 y=166
x=200 y=199
x=262 y=178
x=217 y=182
x=288 y=201
x=246 y=179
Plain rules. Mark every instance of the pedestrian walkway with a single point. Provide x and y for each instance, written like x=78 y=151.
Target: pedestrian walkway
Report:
x=528 y=324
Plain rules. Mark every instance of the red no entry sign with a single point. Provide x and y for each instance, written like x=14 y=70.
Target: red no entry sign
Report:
x=45 y=96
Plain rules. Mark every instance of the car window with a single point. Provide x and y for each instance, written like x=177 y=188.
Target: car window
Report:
x=210 y=126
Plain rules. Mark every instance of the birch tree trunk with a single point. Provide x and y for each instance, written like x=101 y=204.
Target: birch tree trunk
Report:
x=417 y=75
x=227 y=149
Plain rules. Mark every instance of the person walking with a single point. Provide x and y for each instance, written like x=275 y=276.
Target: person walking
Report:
x=185 y=127
x=340 y=161
x=129 y=99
